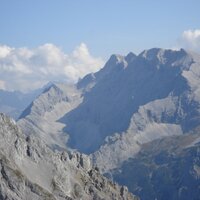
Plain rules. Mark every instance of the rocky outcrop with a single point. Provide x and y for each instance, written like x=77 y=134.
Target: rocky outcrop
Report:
x=29 y=169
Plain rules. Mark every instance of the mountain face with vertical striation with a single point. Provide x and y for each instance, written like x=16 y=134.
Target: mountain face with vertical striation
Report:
x=29 y=169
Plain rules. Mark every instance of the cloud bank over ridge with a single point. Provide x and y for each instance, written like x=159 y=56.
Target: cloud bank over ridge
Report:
x=190 y=39
x=25 y=69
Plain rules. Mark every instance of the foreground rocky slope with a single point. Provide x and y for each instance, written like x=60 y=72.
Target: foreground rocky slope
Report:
x=29 y=169
x=164 y=169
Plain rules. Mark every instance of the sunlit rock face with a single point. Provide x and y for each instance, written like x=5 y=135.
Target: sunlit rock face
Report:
x=29 y=169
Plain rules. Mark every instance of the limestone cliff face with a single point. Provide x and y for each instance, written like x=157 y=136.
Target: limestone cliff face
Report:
x=29 y=169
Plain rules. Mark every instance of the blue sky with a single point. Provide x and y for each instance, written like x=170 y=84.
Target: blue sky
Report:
x=106 y=26
x=63 y=40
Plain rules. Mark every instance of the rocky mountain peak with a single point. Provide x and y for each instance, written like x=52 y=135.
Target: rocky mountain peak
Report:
x=115 y=62
x=130 y=57
x=152 y=54
x=115 y=58
x=167 y=57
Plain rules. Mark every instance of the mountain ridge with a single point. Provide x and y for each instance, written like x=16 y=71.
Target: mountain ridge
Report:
x=128 y=103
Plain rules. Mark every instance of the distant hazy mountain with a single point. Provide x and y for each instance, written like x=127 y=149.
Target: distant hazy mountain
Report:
x=111 y=114
x=30 y=170
x=13 y=103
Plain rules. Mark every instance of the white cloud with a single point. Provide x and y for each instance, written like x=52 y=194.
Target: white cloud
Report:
x=24 y=69
x=4 y=51
x=2 y=85
x=190 y=40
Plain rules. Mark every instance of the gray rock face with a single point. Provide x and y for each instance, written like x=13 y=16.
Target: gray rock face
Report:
x=164 y=169
x=29 y=169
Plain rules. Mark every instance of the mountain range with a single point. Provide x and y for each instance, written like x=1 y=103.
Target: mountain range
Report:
x=137 y=119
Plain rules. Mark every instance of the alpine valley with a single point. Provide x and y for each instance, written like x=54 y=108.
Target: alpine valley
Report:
x=136 y=121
